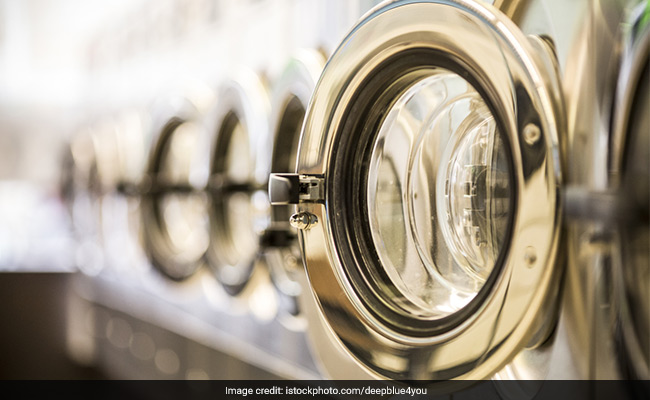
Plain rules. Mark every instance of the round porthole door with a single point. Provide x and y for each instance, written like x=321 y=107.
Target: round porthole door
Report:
x=174 y=206
x=82 y=193
x=237 y=135
x=427 y=191
x=290 y=97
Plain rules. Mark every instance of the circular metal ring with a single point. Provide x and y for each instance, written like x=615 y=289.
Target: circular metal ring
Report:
x=176 y=261
x=237 y=131
x=290 y=98
x=384 y=51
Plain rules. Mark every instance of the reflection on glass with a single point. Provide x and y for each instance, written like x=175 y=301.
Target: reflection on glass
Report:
x=438 y=195
x=184 y=216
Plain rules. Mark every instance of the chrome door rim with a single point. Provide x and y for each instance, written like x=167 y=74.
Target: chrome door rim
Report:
x=391 y=30
x=295 y=85
x=173 y=114
x=243 y=97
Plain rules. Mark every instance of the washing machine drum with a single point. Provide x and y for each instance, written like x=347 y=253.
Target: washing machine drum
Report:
x=427 y=190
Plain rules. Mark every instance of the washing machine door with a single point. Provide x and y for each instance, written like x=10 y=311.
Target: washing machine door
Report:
x=428 y=191
x=238 y=135
x=174 y=208
x=82 y=192
x=291 y=95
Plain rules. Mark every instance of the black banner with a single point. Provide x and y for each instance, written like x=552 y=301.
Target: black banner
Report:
x=266 y=390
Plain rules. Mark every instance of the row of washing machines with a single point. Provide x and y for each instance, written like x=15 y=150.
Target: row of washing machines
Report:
x=457 y=190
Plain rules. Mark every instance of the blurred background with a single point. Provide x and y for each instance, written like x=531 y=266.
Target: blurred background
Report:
x=70 y=69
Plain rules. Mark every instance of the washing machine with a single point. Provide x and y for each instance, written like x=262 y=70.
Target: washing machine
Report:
x=121 y=223
x=237 y=130
x=431 y=187
x=605 y=80
x=174 y=204
x=201 y=198
x=89 y=185
x=80 y=192
x=281 y=253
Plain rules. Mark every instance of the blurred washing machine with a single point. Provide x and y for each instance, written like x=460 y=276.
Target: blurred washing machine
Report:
x=215 y=293
x=89 y=174
x=79 y=192
x=237 y=130
x=612 y=210
x=629 y=171
x=281 y=252
x=607 y=199
x=174 y=206
x=122 y=205
x=103 y=161
x=440 y=149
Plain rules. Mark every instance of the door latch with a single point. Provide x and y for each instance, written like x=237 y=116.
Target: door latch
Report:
x=296 y=188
